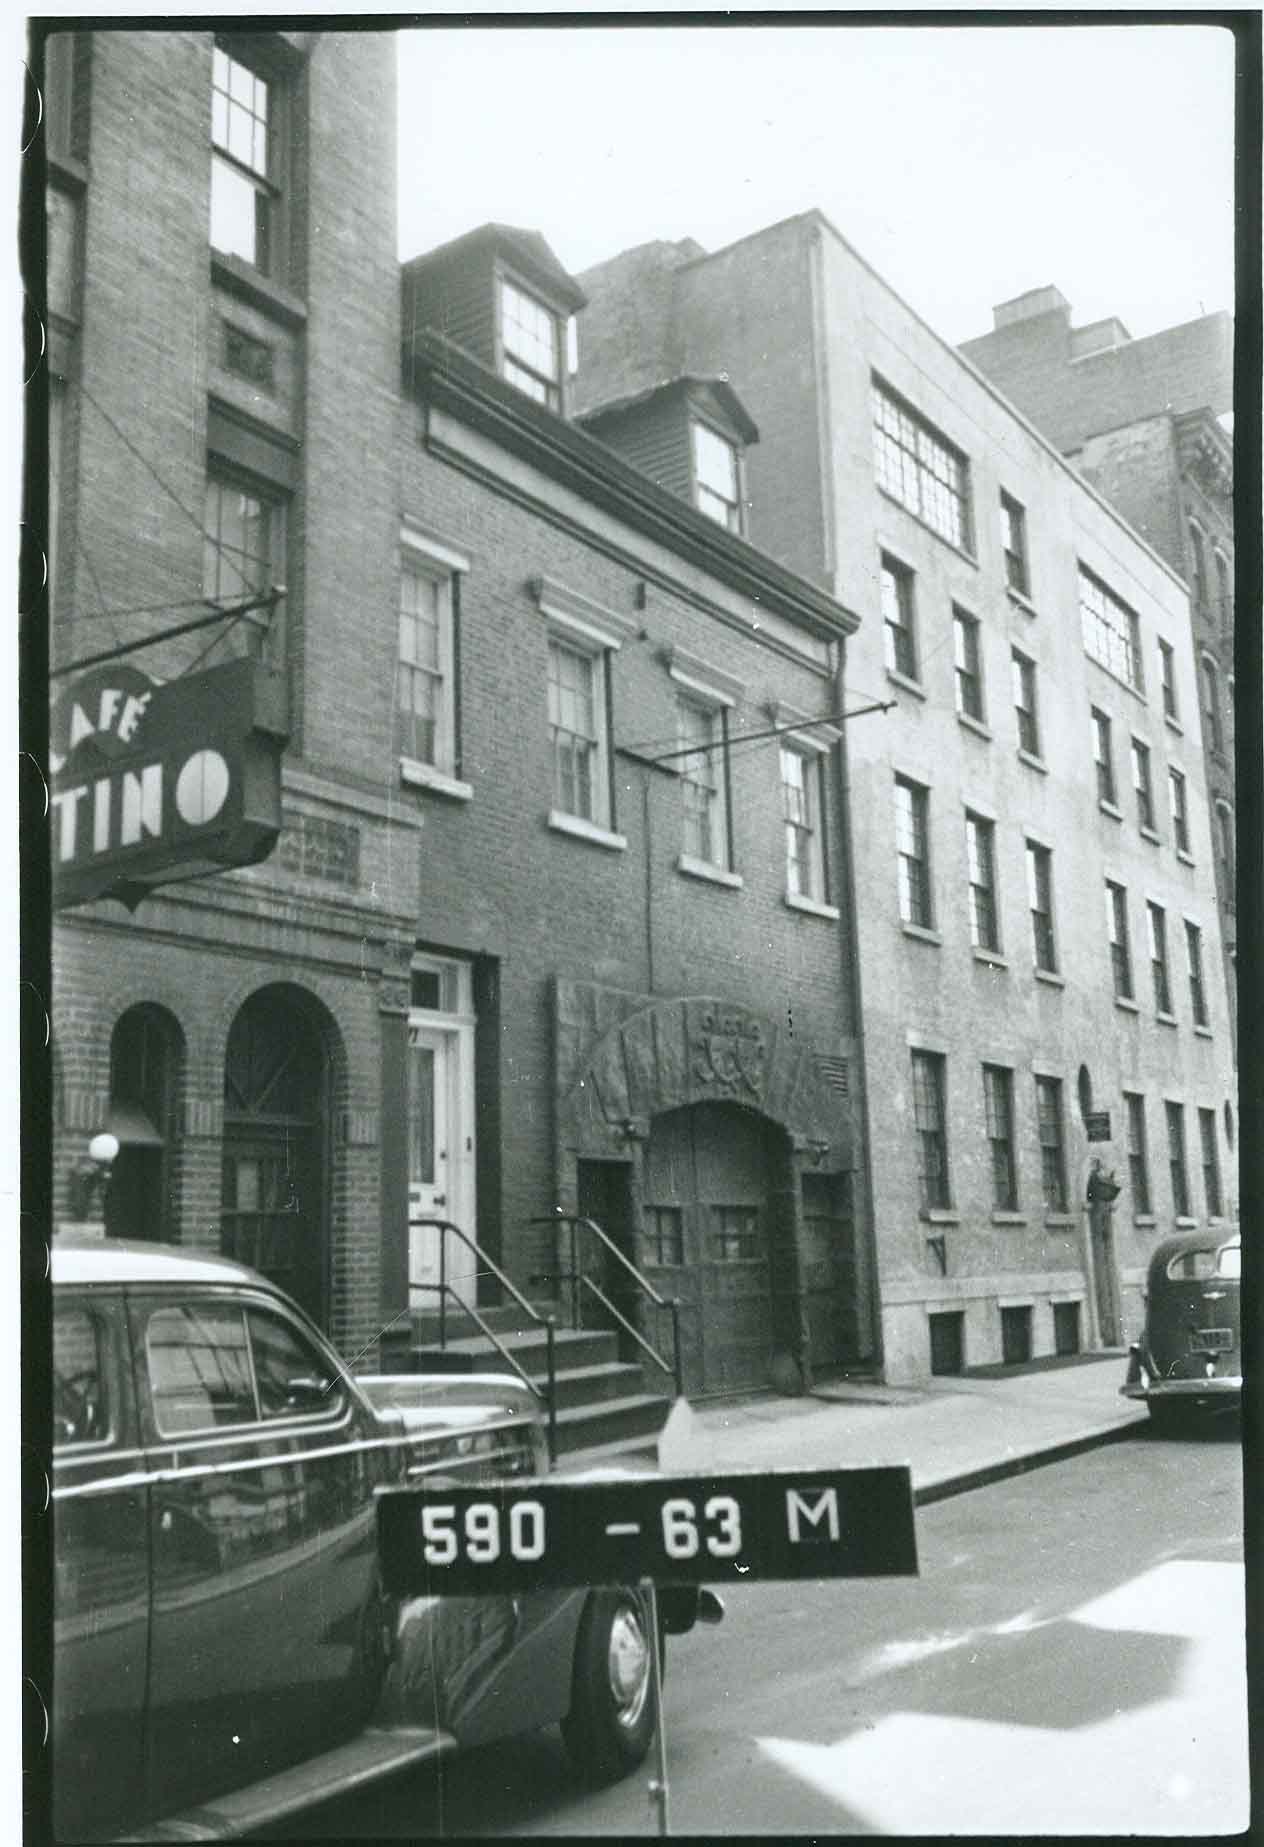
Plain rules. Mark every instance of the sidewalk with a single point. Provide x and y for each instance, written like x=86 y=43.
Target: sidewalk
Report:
x=954 y=1433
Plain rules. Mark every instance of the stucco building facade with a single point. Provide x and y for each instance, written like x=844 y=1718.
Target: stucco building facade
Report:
x=1030 y=842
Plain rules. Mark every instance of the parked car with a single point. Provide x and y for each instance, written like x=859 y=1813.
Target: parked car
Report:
x=224 y=1653
x=1189 y=1358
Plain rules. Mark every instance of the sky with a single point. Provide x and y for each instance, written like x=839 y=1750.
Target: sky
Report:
x=966 y=164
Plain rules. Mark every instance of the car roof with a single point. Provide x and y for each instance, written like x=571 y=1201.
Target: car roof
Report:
x=1211 y=1239
x=120 y=1260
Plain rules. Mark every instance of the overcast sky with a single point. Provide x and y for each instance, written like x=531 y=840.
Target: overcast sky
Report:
x=966 y=164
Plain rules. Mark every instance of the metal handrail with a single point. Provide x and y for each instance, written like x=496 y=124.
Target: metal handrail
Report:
x=636 y=1334
x=443 y=1288
x=576 y=1224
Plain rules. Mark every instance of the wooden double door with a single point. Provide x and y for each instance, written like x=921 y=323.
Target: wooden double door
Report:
x=715 y=1183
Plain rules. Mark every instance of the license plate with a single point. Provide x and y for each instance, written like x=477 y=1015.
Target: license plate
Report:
x=1204 y=1340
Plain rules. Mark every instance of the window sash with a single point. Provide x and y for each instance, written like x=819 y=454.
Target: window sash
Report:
x=425 y=691
x=576 y=731
x=1167 y=678
x=998 y=1103
x=1211 y=1163
x=243 y=555
x=801 y=807
x=1142 y=785
x=529 y=345
x=913 y=853
x=1158 y=958
x=1138 y=1157
x=932 y=1141
x=1194 y=962
x=715 y=471
x=1014 y=544
x=1211 y=705
x=1103 y=757
x=1178 y=805
x=899 y=639
x=1024 y=680
x=916 y=465
x=1110 y=631
x=969 y=676
x=1117 y=929
x=1052 y=1143
x=984 y=931
x=1040 y=904
x=1177 y=1167
x=702 y=775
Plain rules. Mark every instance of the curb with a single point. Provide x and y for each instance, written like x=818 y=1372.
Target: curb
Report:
x=982 y=1477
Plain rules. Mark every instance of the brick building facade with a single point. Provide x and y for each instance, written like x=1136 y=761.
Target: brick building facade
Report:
x=1040 y=763
x=554 y=918
x=1148 y=422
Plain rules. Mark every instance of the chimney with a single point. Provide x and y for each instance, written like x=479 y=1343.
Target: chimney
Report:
x=1027 y=307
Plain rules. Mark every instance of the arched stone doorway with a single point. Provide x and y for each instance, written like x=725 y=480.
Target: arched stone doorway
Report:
x=716 y=1146
x=277 y=1082
x=146 y=1060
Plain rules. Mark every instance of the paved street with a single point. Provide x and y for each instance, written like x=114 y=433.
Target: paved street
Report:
x=1069 y=1661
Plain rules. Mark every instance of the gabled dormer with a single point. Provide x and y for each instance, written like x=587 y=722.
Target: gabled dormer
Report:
x=690 y=435
x=500 y=293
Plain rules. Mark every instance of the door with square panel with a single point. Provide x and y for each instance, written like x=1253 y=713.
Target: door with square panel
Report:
x=711 y=1182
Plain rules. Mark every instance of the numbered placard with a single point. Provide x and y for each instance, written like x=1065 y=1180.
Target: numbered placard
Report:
x=516 y=1536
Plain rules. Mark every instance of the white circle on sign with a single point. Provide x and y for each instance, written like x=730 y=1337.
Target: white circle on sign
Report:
x=202 y=787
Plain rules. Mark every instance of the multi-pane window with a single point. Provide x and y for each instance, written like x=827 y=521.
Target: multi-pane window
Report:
x=899 y=638
x=913 y=850
x=662 y=1235
x=1117 y=931
x=1040 y=902
x=981 y=871
x=734 y=1235
x=920 y=468
x=1194 y=964
x=1014 y=544
x=243 y=556
x=1211 y=1163
x=1177 y=1168
x=1167 y=679
x=701 y=731
x=932 y=1135
x=425 y=692
x=802 y=808
x=1049 y=1122
x=1158 y=958
x=244 y=196
x=968 y=666
x=1024 y=678
x=716 y=478
x=1178 y=805
x=529 y=345
x=998 y=1104
x=1197 y=567
x=1111 y=630
x=1142 y=783
x=1211 y=704
x=1224 y=592
x=1103 y=758
x=1225 y=848
x=577 y=732
x=1138 y=1154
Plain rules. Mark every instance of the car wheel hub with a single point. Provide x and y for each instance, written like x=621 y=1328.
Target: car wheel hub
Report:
x=628 y=1663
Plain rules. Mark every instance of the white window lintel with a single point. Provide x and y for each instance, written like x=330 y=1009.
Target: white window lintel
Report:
x=823 y=735
x=590 y=622
x=424 y=545
x=698 y=676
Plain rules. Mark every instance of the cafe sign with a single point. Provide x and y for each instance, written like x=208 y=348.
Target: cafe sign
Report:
x=154 y=782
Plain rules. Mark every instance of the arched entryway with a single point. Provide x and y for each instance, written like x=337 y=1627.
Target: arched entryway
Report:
x=146 y=1057
x=716 y=1191
x=276 y=1112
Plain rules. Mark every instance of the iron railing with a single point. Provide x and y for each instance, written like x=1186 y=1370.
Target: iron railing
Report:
x=573 y=1227
x=445 y=1289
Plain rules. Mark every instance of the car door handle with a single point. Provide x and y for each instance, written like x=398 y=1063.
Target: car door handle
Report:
x=166 y=1522
x=440 y=1199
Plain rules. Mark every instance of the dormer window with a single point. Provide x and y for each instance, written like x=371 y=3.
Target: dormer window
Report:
x=530 y=345
x=716 y=478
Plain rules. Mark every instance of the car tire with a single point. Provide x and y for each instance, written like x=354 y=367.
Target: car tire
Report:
x=610 y=1725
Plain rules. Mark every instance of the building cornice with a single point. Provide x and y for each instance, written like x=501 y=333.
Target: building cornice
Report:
x=443 y=375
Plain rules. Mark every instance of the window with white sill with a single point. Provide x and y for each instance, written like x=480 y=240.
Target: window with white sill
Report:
x=426 y=731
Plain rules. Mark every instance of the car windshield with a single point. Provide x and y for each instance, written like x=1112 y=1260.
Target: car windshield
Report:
x=1229 y=1261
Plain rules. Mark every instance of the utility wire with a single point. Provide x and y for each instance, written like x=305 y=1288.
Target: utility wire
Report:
x=148 y=466
x=268 y=599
